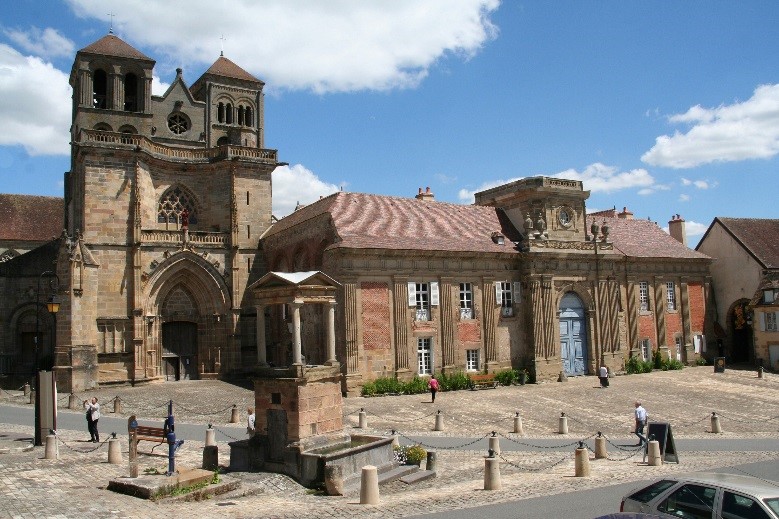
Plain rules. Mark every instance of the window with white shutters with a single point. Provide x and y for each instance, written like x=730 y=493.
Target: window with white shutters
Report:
x=670 y=295
x=504 y=298
x=466 y=301
x=643 y=296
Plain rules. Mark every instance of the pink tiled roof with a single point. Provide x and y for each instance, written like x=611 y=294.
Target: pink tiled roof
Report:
x=644 y=239
x=364 y=221
x=759 y=236
x=111 y=45
x=30 y=218
x=224 y=67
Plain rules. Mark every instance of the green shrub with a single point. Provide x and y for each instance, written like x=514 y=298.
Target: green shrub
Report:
x=672 y=364
x=415 y=386
x=453 y=381
x=409 y=454
x=701 y=361
x=657 y=359
x=506 y=377
x=636 y=365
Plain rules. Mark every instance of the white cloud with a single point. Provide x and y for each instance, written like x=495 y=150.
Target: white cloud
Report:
x=296 y=184
x=740 y=131
x=597 y=177
x=158 y=87
x=684 y=198
x=342 y=46
x=35 y=104
x=686 y=181
x=46 y=43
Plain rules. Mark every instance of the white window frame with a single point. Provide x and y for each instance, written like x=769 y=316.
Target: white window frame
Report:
x=769 y=296
x=419 y=298
x=670 y=295
x=679 y=345
x=424 y=355
x=646 y=349
x=768 y=322
x=643 y=296
x=466 y=301
x=505 y=298
x=471 y=360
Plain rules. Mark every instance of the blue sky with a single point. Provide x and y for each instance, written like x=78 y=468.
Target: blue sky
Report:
x=662 y=107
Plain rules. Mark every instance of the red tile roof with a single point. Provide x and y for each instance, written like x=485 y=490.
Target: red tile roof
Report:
x=111 y=45
x=225 y=67
x=31 y=218
x=759 y=236
x=364 y=221
x=644 y=239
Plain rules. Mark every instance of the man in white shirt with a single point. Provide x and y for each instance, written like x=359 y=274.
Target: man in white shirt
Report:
x=250 y=420
x=603 y=375
x=641 y=418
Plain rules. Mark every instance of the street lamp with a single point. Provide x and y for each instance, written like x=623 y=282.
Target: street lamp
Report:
x=53 y=306
x=595 y=230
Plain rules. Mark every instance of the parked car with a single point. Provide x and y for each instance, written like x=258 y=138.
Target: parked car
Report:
x=706 y=496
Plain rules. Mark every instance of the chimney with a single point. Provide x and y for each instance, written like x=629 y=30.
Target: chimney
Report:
x=676 y=229
x=426 y=195
x=625 y=214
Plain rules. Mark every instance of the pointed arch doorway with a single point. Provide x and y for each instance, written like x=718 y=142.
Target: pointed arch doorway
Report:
x=179 y=350
x=573 y=335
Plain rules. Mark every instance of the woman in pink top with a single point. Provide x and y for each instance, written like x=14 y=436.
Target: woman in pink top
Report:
x=433 y=385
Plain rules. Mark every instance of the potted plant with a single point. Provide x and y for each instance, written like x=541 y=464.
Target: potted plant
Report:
x=409 y=454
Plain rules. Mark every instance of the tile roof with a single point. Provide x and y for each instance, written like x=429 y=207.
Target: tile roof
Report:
x=759 y=236
x=224 y=67
x=111 y=45
x=364 y=221
x=644 y=239
x=31 y=218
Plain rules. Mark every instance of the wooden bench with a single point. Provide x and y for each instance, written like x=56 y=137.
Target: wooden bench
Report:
x=145 y=432
x=483 y=381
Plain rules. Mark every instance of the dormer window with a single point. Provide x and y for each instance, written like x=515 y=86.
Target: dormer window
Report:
x=769 y=296
x=498 y=238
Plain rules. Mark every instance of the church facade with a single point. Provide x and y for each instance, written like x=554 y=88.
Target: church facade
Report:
x=168 y=232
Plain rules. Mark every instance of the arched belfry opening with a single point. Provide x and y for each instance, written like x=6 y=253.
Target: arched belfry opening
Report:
x=187 y=318
x=573 y=334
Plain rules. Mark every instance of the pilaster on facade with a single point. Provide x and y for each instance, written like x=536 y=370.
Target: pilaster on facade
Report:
x=548 y=316
x=351 y=321
x=448 y=322
x=658 y=305
x=684 y=302
x=402 y=324
x=489 y=323
x=632 y=315
x=536 y=299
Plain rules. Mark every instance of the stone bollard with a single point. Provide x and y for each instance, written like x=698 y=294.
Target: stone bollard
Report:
x=760 y=372
x=600 y=447
x=334 y=480
x=234 y=414
x=563 y=424
x=582 y=462
x=114 y=451
x=26 y=389
x=431 y=461
x=117 y=405
x=494 y=443
x=72 y=401
x=395 y=439
x=369 y=486
x=50 y=452
x=362 y=420
x=653 y=452
x=563 y=377
x=439 y=421
x=210 y=457
x=715 y=425
x=32 y=396
x=518 y=424
x=492 y=472
x=210 y=436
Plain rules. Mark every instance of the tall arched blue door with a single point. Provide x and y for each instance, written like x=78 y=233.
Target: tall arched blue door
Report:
x=573 y=335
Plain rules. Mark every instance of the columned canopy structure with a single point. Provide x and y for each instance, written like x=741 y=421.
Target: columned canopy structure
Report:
x=295 y=289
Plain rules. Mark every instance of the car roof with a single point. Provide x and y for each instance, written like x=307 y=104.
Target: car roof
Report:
x=757 y=487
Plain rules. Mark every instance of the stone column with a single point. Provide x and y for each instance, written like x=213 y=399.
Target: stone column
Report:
x=632 y=314
x=116 y=90
x=684 y=309
x=400 y=311
x=537 y=317
x=331 y=360
x=350 y=326
x=658 y=305
x=262 y=355
x=448 y=319
x=143 y=103
x=86 y=88
x=488 y=303
x=297 y=348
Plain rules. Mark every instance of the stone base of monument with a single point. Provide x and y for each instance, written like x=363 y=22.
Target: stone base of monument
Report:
x=299 y=419
x=160 y=486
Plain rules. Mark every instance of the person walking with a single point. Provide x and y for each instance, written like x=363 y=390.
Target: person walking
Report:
x=603 y=375
x=93 y=415
x=641 y=417
x=433 y=385
x=250 y=422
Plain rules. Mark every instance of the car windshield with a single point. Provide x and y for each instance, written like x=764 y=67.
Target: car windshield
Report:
x=773 y=504
x=646 y=494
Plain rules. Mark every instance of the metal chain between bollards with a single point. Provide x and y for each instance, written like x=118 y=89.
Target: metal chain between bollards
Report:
x=618 y=447
x=190 y=411
x=220 y=431
x=455 y=447
x=400 y=421
x=545 y=446
x=81 y=451
x=747 y=421
x=633 y=453
x=534 y=469
x=688 y=424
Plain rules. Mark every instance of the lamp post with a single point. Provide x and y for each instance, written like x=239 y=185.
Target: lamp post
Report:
x=604 y=230
x=53 y=306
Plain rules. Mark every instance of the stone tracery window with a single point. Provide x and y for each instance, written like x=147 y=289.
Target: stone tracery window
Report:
x=178 y=123
x=172 y=205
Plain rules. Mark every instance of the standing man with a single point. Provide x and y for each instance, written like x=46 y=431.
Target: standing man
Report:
x=641 y=417
x=603 y=375
x=433 y=385
x=93 y=415
x=250 y=421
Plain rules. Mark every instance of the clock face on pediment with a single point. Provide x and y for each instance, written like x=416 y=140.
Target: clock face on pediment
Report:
x=565 y=216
